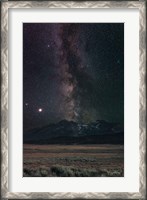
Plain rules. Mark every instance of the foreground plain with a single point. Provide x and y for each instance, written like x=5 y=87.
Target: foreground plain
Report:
x=73 y=160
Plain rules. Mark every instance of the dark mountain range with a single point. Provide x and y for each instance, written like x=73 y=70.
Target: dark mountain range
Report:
x=69 y=132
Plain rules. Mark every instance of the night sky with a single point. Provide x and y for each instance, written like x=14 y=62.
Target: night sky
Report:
x=72 y=71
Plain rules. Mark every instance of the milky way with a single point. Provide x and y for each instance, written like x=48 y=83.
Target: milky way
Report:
x=71 y=66
x=73 y=72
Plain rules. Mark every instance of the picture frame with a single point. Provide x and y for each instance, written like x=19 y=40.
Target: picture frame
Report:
x=6 y=6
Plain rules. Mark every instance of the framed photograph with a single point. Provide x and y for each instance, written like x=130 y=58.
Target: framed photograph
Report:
x=73 y=100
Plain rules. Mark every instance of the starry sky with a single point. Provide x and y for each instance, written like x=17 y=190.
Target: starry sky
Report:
x=72 y=71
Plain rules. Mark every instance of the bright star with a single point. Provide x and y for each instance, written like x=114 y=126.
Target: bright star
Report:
x=40 y=110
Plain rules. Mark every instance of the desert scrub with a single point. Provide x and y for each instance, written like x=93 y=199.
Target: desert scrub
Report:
x=69 y=171
x=113 y=173
x=79 y=159
x=44 y=172
x=61 y=171
x=41 y=172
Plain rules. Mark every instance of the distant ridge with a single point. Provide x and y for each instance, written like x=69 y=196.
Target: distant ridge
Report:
x=69 y=132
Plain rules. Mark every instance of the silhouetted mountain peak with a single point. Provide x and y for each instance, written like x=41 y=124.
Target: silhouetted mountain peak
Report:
x=71 y=130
